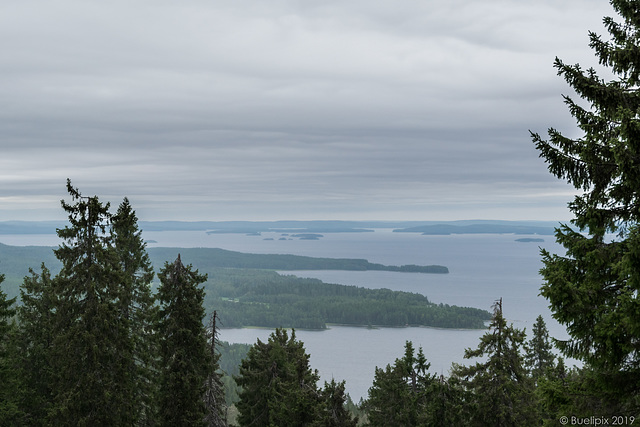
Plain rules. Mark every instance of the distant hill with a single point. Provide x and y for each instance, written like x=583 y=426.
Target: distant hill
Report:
x=15 y=262
x=213 y=257
x=30 y=227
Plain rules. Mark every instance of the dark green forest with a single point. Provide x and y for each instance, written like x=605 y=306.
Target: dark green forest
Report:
x=265 y=298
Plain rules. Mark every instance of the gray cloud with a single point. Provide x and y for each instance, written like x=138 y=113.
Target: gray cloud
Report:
x=255 y=110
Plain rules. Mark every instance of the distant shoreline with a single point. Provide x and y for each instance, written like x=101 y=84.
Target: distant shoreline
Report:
x=244 y=227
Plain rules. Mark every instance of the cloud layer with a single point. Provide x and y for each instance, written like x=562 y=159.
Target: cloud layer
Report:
x=287 y=109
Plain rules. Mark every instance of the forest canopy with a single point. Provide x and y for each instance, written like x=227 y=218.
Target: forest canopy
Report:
x=266 y=298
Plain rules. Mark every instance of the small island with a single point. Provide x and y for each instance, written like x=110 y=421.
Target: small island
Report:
x=529 y=240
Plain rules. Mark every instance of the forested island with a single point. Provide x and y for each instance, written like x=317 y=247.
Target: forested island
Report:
x=246 y=297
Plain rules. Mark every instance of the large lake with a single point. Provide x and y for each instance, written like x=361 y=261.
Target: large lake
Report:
x=482 y=267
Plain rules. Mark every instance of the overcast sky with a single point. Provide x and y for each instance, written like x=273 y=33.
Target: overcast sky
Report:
x=277 y=109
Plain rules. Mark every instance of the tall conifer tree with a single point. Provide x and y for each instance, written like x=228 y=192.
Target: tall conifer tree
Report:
x=406 y=394
x=593 y=289
x=91 y=336
x=36 y=318
x=137 y=311
x=278 y=385
x=333 y=411
x=539 y=356
x=214 y=399
x=9 y=381
x=397 y=395
x=185 y=357
x=501 y=393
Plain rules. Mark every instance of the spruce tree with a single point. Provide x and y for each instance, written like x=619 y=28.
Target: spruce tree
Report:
x=539 y=356
x=91 y=336
x=564 y=392
x=9 y=381
x=36 y=319
x=406 y=394
x=593 y=289
x=137 y=311
x=333 y=411
x=398 y=394
x=185 y=361
x=214 y=395
x=501 y=393
x=279 y=388
x=445 y=404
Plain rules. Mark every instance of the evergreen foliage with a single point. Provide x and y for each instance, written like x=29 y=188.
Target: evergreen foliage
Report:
x=85 y=336
x=500 y=391
x=398 y=392
x=214 y=396
x=406 y=394
x=185 y=356
x=9 y=380
x=36 y=319
x=137 y=308
x=552 y=392
x=92 y=342
x=279 y=388
x=333 y=410
x=593 y=289
x=539 y=356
